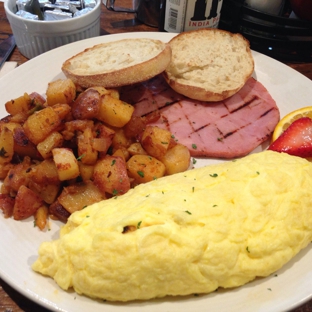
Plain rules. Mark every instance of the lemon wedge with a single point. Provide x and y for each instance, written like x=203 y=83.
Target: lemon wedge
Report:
x=287 y=120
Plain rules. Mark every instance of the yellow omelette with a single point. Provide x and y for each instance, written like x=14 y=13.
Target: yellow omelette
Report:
x=218 y=226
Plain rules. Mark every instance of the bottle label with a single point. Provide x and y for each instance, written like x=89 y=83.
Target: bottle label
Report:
x=184 y=15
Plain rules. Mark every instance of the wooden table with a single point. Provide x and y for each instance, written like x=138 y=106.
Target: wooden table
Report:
x=111 y=23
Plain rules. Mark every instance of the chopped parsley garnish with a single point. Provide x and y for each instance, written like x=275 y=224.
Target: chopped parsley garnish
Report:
x=214 y=175
x=194 y=146
x=80 y=157
x=113 y=162
x=139 y=224
x=141 y=174
x=188 y=212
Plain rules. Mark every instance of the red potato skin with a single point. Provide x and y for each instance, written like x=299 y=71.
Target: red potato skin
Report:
x=26 y=203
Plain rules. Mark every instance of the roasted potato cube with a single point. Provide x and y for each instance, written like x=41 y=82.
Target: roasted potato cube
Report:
x=86 y=171
x=26 y=203
x=156 y=141
x=100 y=90
x=4 y=170
x=58 y=212
x=71 y=127
x=48 y=192
x=17 y=176
x=62 y=111
x=110 y=175
x=53 y=140
x=41 y=217
x=123 y=153
x=78 y=196
x=87 y=154
x=6 y=145
x=177 y=159
x=7 y=205
x=39 y=125
x=61 y=91
x=66 y=163
x=86 y=105
x=45 y=173
x=145 y=168
x=10 y=125
x=23 y=146
x=18 y=105
x=114 y=112
x=120 y=139
x=136 y=149
x=104 y=138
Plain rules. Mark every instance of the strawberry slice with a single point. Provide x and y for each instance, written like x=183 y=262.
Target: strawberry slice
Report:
x=296 y=139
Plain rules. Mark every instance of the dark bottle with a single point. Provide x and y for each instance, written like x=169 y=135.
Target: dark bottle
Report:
x=183 y=15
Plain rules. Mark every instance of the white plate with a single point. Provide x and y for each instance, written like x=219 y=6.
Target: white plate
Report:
x=19 y=241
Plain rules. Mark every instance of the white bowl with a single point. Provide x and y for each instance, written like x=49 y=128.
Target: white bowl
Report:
x=36 y=37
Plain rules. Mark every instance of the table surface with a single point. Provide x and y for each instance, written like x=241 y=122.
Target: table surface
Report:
x=111 y=23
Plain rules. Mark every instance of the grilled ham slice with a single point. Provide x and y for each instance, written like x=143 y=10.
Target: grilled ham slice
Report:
x=226 y=129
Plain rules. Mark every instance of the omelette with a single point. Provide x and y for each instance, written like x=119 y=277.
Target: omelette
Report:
x=218 y=226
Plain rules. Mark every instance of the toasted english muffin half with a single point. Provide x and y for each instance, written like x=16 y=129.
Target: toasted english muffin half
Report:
x=118 y=63
x=209 y=64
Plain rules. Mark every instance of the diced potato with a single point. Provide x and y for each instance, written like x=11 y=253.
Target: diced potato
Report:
x=136 y=149
x=66 y=163
x=86 y=171
x=114 y=112
x=61 y=91
x=58 y=212
x=156 y=141
x=71 y=127
x=62 y=110
x=41 y=217
x=6 y=145
x=100 y=90
x=10 y=125
x=87 y=154
x=135 y=126
x=39 y=125
x=177 y=159
x=7 y=205
x=105 y=136
x=45 y=173
x=48 y=192
x=23 y=146
x=53 y=140
x=123 y=153
x=18 y=105
x=145 y=168
x=17 y=176
x=120 y=139
x=110 y=175
x=78 y=196
x=86 y=105
x=26 y=203
x=4 y=170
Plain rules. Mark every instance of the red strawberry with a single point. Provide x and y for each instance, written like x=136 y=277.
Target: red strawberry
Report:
x=296 y=139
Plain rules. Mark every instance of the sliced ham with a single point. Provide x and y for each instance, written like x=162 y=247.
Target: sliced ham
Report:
x=226 y=129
